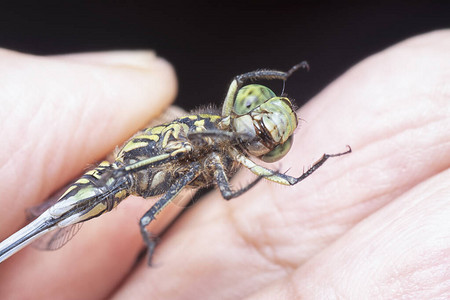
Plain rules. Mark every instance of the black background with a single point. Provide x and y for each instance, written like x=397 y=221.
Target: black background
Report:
x=210 y=42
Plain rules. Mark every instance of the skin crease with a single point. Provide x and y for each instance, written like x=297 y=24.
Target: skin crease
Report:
x=372 y=224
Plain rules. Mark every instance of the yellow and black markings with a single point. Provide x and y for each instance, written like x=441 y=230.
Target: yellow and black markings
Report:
x=196 y=150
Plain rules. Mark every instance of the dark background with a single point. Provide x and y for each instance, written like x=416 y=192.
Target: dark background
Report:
x=210 y=43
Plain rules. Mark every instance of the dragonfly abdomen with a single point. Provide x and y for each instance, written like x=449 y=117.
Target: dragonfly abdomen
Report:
x=96 y=192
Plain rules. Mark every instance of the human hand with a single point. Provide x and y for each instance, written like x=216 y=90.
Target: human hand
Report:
x=372 y=224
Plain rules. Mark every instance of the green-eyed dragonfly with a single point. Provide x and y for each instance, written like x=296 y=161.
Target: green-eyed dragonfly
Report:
x=196 y=150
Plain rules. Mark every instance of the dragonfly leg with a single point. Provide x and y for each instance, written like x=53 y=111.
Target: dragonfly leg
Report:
x=224 y=185
x=283 y=178
x=150 y=215
x=240 y=80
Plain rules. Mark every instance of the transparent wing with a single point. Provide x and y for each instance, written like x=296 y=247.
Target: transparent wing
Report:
x=59 y=237
x=56 y=238
x=37 y=210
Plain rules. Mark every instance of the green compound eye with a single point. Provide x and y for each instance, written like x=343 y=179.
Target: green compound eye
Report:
x=278 y=152
x=251 y=96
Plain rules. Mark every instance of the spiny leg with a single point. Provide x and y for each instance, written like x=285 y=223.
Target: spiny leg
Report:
x=283 y=178
x=174 y=190
x=240 y=80
x=269 y=74
x=222 y=181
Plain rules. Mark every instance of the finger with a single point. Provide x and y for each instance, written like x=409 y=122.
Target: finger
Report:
x=397 y=123
x=56 y=124
x=59 y=115
x=140 y=59
x=402 y=250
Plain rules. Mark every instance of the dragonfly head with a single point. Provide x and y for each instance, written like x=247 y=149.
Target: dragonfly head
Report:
x=265 y=120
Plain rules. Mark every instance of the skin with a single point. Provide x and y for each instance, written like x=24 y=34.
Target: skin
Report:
x=372 y=224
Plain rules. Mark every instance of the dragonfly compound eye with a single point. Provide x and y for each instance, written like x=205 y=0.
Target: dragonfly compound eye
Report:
x=278 y=152
x=251 y=96
x=268 y=128
x=277 y=118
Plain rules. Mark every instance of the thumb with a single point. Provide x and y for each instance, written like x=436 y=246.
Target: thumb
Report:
x=60 y=113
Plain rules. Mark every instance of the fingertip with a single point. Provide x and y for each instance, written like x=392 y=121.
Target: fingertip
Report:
x=116 y=58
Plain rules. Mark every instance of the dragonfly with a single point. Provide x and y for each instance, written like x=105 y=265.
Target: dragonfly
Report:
x=194 y=151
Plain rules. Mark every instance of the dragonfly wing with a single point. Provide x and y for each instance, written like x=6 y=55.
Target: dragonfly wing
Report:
x=37 y=210
x=43 y=224
x=57 y=238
